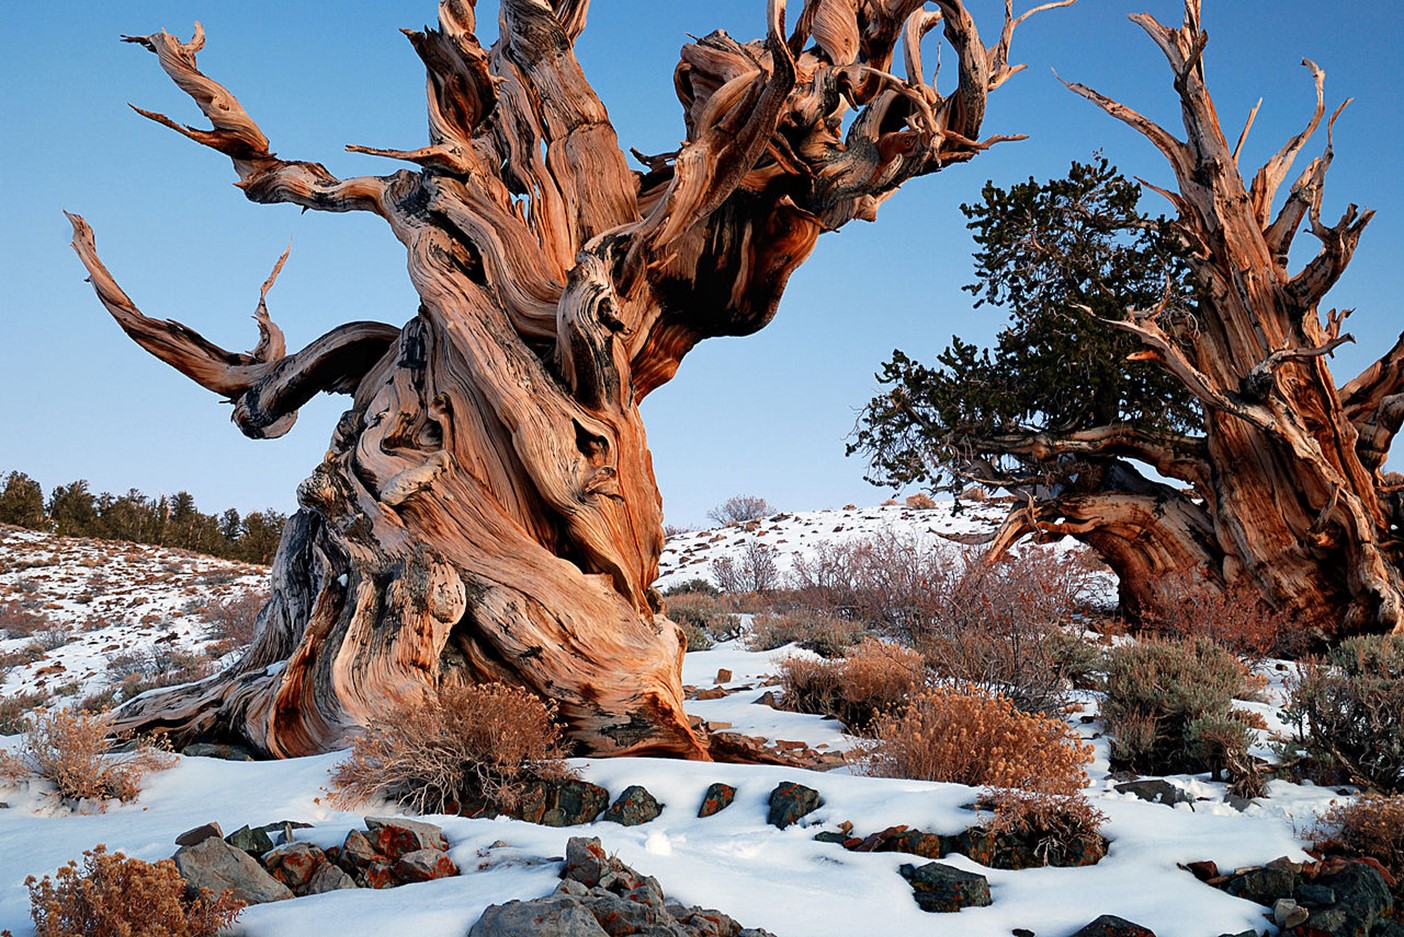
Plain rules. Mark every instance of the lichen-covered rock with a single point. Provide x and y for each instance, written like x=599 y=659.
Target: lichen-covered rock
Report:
x=394 y=837
x=717 y=798
x=214 y=864
x=295 y=864
x=565 y=802
x=944 y=888
x=791 y=801
x=1109 y=925
x=633 y=807
x=422 y=865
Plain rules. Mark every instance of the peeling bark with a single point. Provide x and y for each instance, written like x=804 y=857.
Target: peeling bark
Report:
x=487 y=508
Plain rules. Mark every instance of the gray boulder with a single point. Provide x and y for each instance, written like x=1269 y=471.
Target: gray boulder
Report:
x=554 y=916
x=791 y=801
x=635 y=806
x=214 y=864
x=943 y=888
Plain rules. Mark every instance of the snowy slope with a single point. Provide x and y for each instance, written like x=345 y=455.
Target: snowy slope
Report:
x=783 y=881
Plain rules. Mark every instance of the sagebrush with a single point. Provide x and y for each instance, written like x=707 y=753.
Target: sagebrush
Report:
x=111 y=895
x=969 y=735
x=876 y=676
x=1370 y=827
x=1165 y=704
x=1347 y=707
x=71 y=749
x=1064 y=829
x=826 y=635
x=471 y=749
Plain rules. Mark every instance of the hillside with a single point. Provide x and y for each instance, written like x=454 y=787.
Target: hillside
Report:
x=118 y=600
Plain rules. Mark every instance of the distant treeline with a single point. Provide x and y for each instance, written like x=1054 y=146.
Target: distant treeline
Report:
x=73 y=511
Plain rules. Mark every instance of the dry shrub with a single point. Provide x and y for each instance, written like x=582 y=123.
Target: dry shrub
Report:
x=740 y=508
x=464 y=748
x=19 y=618
x=121 y=897
x=753 y=570
x=1347 y=707
x=1061 y=827
x=826 y=635
x=1236 y=618
x=877 y=676
x=70 y=749
x=15 y=710
x=968 y=735
x=703 y=617
x=1166 y=702
x=1010 y=626
x=136 y=671
x=232 y=619
x=1370 y=827
x=920 y=502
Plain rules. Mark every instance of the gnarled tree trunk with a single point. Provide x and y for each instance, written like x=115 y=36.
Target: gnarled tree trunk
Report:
x=1286 y=491
x=487 y=509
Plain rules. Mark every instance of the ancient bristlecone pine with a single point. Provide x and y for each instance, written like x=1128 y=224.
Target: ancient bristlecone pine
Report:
x=487 y=509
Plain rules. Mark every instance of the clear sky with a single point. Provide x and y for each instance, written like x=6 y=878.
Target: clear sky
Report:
x=767 y=414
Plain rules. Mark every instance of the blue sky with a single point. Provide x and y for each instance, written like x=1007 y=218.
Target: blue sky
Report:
x=766 y=414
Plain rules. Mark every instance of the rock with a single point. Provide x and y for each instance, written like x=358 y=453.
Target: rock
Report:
x=214 y=864
x=1263 y=886
x=587 y=862
x=831 y=836
x=1022 y=932
x=211 y=750
x=565 y=802
x=1156 y=791
x=1388 y=929
x=356 y=852
x=634 y=807
x=295 y=864
x=553 y=916
x=717 y=798
x=253 y=842
x=1315 y=896
x=1287 y=913
x=282 y=831
x=394 y=837
x=723 y=675
x=1362 y=901
x=422 y=865
x=1109 y=925
x=191 y=837
x=791 y=801
x=1204 y=870
x=944 y=888
x=328 y=878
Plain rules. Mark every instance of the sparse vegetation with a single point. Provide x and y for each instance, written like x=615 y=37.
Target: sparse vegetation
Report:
x=1169 y=704
x=740 y=508
x=875 y=677
x=1063 y=827
x=1347 y=708
x=111 y=895
x=826 y=635
x=70 y=749
x=1236 y=618
x=1369 y=827
x=15 y=709
x=471 y=748
x=754 y=570
x=967 y=735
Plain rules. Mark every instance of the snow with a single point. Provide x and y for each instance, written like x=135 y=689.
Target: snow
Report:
x=782 y=880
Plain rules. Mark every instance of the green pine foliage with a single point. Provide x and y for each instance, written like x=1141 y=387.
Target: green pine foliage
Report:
x=73 y=510
x=1060 y=257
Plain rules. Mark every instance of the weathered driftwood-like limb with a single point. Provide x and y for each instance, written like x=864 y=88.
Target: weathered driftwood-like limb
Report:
x=487 y=508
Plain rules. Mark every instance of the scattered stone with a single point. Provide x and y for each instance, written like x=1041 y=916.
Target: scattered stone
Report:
x=1287 y=913
x=830 y=836
x=282 y=831
x=944 y=888
x=790 y=801
x=1022 y=932
x=295 y=864
x=213 y=750
x=723 y=675
x=254 y=842
x=328 y=878
x=191 y=837
x=1109 y=925
x=600 y=895
x=1204 y=870
x=565 y=802
x=214 y=864
x=423 y=865
x=1262 y=886
x=717 y=798
x=1156 y=791
x=553 y=916
x=634 y=807
x=393 y=837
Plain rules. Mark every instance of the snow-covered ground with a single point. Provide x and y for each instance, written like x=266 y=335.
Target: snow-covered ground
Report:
x=782 y=880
